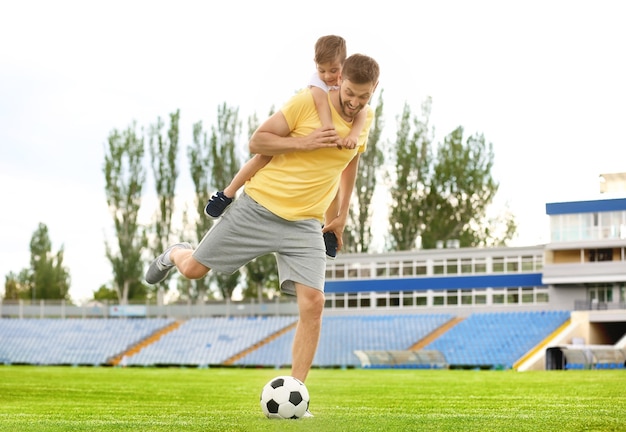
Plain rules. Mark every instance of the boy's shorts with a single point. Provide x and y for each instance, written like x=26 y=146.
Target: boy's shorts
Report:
x=248 y=230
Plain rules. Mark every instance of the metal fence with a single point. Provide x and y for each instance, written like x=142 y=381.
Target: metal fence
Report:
x=63 y=309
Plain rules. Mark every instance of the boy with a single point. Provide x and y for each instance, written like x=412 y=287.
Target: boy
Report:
x=330 y=53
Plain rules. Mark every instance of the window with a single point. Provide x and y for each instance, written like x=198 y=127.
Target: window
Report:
x=498 y=265
x=466 y=297
x=452 y=266
x=407 y=268
x=466 y=266
x=453 y=297
x=542 y=297
x=480 y=266
x=438 y=267
x=512 y=296
x=596 y=255
x=512 y=266
x=527 y=295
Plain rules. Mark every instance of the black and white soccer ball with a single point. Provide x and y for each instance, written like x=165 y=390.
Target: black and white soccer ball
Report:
x=285 y=397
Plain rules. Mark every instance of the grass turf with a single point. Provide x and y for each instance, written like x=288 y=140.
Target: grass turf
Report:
x=154 y=399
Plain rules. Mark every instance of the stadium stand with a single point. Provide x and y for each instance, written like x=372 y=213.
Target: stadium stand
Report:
x=209 y=341
x=71 y=341
x=342 y=335
x=489 y=340
x=496 y=340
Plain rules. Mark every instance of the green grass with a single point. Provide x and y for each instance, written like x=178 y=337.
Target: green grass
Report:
x=153 y=399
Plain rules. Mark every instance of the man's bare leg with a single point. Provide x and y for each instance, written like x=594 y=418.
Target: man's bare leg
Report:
x=186 y=264
x=310 y=307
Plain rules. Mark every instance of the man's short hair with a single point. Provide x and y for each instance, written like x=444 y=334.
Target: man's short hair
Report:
x=360 y=69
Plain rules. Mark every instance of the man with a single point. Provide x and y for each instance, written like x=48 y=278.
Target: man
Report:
x=283 y=204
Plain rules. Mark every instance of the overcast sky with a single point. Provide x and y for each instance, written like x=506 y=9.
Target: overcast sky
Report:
x=544 y=81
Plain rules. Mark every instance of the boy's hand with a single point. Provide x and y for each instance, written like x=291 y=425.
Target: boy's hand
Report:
x=349 y=142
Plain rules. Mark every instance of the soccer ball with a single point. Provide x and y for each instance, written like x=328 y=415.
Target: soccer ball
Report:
x=285 y=397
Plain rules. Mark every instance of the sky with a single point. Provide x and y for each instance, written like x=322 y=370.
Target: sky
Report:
x=544 y=81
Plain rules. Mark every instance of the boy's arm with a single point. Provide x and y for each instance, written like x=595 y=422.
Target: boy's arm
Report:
x=245 y=173
x=358 y=124
x=320 y=97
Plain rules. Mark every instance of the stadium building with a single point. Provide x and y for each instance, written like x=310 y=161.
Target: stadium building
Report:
x=561 y=305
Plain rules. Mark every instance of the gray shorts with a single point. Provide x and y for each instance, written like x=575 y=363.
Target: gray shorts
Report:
x=248 y=230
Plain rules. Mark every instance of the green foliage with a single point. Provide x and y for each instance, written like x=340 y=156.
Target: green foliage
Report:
x=174 y=399
x=124 y=173
x=460 y=191
x=163 y=155
x=105 y=293
x=213 y=164
x=46 y=278
x=412 y=170
x=14 y=289
x=262 y=278
x=199 y=166
x=261 y=273
x=446 y=196
x=49 y=279
x=358 y=235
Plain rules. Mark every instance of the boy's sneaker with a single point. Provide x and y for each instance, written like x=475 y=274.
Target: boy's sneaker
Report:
x=158 y=270
x=217 y=204
x=307 y=414
x=330 y=240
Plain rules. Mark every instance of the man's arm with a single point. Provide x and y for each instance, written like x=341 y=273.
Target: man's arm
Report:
x=272 y=138
x=346 y=186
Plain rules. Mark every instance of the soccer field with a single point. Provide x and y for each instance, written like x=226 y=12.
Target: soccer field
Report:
x=222 y=399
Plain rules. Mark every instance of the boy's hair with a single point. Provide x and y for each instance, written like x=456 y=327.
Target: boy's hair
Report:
x=330 y=48
x=360 y=69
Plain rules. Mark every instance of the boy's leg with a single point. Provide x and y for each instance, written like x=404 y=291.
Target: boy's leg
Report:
x=306 y=339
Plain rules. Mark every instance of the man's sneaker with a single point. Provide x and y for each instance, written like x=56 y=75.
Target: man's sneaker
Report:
x=307 y=414
x=217 y=204
x=330 y=240
x=158 y=270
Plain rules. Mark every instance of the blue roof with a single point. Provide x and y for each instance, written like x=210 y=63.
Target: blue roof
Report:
x=435 y=283
x=593 y=206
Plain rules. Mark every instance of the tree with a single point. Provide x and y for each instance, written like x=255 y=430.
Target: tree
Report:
x=199 y=166
x=446 y=196
x=46 y=278
x=216 y=160
x=412 y=166
x=49 y=278
x=225 y=166
x=163 y=155
x=358 y=236
x=460 y=192
x=12 y=287
x=262 y=278
x=124 y=174
x=262 y=272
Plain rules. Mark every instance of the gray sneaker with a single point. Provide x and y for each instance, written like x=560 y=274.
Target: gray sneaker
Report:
x=307 y=414
x=158 y=270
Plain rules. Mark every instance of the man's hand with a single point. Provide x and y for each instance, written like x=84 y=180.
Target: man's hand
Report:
x=336 y=226
x=323 y=137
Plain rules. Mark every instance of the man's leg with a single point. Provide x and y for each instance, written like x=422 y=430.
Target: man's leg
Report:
x=187 y=264
x=310 y=307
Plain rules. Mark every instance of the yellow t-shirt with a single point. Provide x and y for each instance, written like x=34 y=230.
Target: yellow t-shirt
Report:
x=301 y=185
